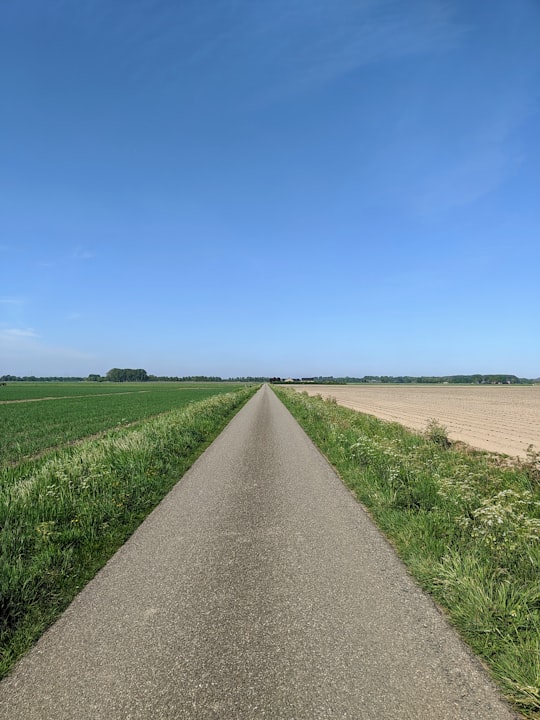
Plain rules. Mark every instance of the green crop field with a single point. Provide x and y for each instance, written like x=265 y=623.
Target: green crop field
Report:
x=40 y=390
x=35 y=417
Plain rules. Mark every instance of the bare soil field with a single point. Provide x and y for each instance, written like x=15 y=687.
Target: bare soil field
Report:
x=498 y=418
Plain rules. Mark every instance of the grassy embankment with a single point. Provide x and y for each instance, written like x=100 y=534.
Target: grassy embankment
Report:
x=63 y=515
x=467 y=526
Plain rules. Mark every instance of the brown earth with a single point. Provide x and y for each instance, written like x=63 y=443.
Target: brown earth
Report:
x=498 y=418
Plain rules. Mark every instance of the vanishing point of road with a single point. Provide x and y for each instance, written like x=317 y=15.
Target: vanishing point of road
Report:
x=259 y=588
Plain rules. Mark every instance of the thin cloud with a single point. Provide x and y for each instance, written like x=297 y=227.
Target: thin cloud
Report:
x=82 y=254
x=467 y=180
x=20 y=332
x=12 y=300
x=356 y=35
x=292 y=45
x=488 y=156
x=25 y=353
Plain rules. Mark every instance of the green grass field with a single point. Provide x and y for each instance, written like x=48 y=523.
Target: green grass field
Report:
x=31 y=423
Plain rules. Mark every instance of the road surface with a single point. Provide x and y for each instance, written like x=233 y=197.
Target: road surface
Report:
x=258 y=588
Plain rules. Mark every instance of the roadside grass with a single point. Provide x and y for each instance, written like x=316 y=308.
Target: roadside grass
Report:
x=28 y=428
x=467 y=527
x=63 y=516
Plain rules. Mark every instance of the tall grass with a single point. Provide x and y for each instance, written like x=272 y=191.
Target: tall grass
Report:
x=63 y=516
x=467 y=526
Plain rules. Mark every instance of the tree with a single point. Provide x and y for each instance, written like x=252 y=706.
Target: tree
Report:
x=127 y=375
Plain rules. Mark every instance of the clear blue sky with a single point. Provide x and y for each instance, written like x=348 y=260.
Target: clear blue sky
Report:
x=290 y=187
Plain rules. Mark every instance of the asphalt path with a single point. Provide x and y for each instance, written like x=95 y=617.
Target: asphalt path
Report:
x=258 y=588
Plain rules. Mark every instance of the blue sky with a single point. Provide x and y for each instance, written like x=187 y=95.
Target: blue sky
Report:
x=290 y=187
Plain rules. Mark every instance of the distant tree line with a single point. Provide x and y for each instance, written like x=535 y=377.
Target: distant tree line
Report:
x=185 y=378
x=140 y=375
x=34 y=378
x=249 y=379
x=126 y=375
x=476 y=379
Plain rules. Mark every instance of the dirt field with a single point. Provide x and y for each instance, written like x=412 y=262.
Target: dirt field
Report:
x=499 y=418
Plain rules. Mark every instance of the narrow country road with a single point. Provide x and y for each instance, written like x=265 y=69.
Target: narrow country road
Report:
x=258 y=588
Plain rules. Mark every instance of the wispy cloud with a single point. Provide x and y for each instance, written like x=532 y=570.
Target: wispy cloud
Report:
x=320 y=41
x=463 y=181
x=25 y=353
x=82 y=254
x=78 y=254
x=287 y=46
x=486 y=155
x=20 y=333
x=12 y=300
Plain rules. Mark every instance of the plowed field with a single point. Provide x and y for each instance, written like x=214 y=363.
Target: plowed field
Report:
x=500 y=418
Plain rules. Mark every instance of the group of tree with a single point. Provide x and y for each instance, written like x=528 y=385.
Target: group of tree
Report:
x=126 y=375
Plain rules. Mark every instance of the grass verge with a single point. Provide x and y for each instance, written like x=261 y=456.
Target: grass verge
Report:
x=62 y=517
x=467 y=527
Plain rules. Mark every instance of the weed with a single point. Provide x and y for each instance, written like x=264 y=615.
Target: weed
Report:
x=437 y=433
x=532 y=464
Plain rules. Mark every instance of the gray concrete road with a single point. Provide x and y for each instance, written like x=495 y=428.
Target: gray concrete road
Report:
x=257 y=589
